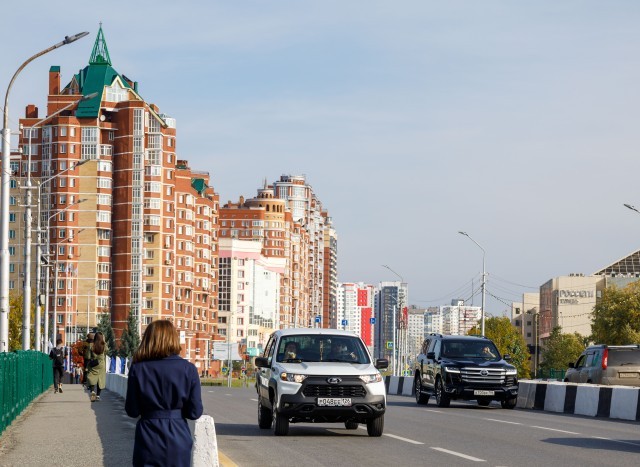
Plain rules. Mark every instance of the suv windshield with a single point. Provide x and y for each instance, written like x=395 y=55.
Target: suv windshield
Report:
x=484 y=350
x=321 y=348
x=621 y=357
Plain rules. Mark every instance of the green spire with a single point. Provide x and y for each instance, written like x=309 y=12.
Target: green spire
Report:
x=100 y=54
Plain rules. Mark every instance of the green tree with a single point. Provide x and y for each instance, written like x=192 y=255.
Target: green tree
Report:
x=15 y=322
x=560 y=349
x=616 y=316
x=130 y=339
x=509 y=341
x=104 y=326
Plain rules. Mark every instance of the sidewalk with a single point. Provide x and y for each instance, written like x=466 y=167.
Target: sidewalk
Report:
x=69 y=430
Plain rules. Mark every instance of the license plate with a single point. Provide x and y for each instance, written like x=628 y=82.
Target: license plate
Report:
x=334 y=401
x=628 y=375
x=478 y=392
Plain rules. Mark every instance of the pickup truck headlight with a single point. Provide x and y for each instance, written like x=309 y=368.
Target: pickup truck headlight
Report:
x=375 y=378
x=511 y=372
x=292 y=377
x=451 y=369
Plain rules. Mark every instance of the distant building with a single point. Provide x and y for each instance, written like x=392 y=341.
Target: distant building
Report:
x=355 y=309
x=391 y=301
x=459 y=319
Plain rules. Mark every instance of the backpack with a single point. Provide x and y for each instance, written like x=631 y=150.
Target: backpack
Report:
x=57 y=355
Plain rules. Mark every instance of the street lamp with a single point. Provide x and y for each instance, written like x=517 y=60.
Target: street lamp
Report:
x=46 y=303
x=398 y=304
x=5 y=168
x=483 y=278
x=26 y=307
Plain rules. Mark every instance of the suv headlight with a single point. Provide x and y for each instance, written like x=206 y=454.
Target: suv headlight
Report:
x=292 y=377
x=375 y=378
x=451 y=369
x=511 y=372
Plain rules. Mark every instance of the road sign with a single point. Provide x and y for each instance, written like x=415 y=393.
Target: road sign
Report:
x=389 y=345
x=224 y=370
x=317 y=319
x=345 y=322
x=372 y=320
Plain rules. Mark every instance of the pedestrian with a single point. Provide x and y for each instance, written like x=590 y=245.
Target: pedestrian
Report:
x=164 y=391
x=58 y=354
x=95 y=362
x=85 y=369
x=77 y=372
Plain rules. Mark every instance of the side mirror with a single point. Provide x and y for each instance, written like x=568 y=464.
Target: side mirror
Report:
x=431 y=355
x=572 y=365
x=506 y=357
x=382 y=363
x=262 y=362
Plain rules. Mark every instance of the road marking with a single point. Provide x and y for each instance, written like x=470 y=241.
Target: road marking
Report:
x=228 y=394
x=502 y=421
x=464 y=456
x=555 y=429
x=617 y=441
x=400 y=438
x=434 y=411
x=254 y=400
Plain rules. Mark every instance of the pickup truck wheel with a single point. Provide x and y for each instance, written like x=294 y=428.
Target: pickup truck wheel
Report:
x=442 y=399
x=375 y=426
x=351 y=425
x=484 y=402
x=265 y=419
x=421 y=399
x=509 y=403
x=280 y=422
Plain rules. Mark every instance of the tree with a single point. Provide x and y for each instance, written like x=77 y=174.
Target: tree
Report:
x=130 y=339
x=104 y=326
x=616 y=316
x=15 y=322
x=560 y=349
x=509 y=341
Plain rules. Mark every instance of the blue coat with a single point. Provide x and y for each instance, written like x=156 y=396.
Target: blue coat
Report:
x=163 y=393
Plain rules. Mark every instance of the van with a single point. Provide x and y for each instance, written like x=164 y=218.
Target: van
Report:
x=608 y=365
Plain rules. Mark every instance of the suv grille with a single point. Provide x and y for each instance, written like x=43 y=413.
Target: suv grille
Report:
x=492 y=376
x=317 y=390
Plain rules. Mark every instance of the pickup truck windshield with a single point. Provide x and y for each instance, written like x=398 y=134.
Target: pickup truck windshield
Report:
x=321 y=348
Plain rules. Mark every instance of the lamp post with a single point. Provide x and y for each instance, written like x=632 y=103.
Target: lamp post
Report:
x=4 y=195
x=484 y=281
x=26 y=307
x=40 y=255
x=46 y=303
x=402 y=329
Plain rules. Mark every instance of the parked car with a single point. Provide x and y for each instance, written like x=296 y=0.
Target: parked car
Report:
x=607 y=364
x=319 y=376
x=464 y=367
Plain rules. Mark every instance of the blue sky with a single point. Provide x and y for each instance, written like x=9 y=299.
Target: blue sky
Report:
x=514 y=121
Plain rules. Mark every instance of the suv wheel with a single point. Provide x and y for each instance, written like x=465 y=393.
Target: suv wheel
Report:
x=509 y=403
x=351 y=425
x=484 y=402
x=280 y=422
x=421 y=399
x=442 y=399
x=375 y=426
x=265 y=419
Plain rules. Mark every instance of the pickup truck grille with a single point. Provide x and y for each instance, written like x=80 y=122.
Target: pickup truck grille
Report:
x=320 y=390
x=483 y=375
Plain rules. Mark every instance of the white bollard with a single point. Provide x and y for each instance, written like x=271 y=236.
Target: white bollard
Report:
x=205 y=444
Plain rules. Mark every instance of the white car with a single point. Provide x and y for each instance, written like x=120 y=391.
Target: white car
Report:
x=319 y=376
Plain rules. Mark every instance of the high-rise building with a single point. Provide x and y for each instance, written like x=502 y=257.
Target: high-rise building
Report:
x=390 y=303
x=354 y=309
x=128 y=228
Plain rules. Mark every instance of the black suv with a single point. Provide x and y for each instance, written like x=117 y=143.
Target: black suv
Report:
x=464 y=367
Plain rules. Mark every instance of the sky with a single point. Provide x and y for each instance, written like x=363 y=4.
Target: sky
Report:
x=516 y=122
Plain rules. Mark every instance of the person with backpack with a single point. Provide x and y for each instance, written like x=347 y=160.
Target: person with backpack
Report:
x=58 y=354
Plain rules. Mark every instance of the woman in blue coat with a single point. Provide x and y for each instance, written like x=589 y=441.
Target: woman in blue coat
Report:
x=163 y=390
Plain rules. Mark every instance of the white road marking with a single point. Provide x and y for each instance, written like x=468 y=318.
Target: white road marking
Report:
x=555 y=429
x=254 y=400
x=400 y=438
x=502 y=421
x=617 y=441
x=228 y=394
x=434 y=411
x=459 y=454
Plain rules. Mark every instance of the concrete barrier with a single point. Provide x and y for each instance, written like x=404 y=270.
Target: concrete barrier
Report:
x=399 y=385
x=205 y=445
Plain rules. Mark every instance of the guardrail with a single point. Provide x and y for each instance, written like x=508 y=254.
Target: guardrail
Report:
x=205 y=444
x=24 y=375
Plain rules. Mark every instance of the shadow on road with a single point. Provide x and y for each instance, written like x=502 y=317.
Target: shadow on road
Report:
x=632 y=446
x=308 y=429
x=116 y=436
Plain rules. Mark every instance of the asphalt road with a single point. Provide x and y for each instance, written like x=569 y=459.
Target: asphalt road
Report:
x=462 y=434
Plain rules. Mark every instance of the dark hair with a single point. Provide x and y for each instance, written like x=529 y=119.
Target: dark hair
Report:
x=90 y=337
x=159 y=340
x=98 y=343
x=58 y=341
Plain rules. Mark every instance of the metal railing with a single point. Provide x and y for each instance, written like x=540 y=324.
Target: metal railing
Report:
x=24 y=375
x=551 y=374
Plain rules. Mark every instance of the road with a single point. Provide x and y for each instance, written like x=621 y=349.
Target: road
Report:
x=463 y=434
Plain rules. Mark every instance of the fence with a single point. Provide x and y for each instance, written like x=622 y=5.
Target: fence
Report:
x=551 y=374
x=24 y=375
